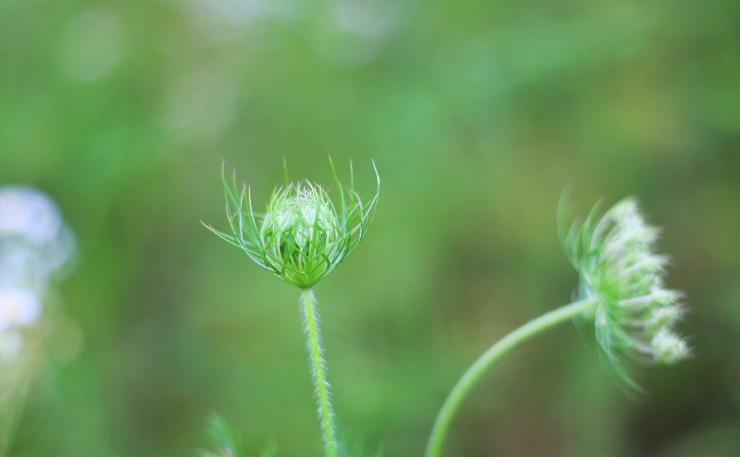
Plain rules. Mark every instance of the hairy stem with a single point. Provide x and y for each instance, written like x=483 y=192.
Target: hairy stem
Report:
x=485 y=361
x=318 y=367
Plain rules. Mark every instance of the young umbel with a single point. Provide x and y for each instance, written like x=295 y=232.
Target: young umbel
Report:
x=634 y=314
x=621 y=293
x=303 y=235
x=300 y=238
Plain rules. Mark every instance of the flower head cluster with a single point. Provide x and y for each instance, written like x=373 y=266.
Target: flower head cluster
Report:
x=303 y=235
x=635 y=313
x=34 y=246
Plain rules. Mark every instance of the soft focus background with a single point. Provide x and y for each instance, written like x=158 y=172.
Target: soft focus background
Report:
x=477 y=113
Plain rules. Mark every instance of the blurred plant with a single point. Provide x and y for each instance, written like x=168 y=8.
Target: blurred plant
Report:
x=35 y=246
x=222 y=440
x=301 y=238
x=620 y=290
x=225 y=443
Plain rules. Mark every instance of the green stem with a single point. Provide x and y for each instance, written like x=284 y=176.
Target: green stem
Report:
x=485 y=361
x=318 y=367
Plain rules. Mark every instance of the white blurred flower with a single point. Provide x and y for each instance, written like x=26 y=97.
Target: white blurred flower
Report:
x=18 y=308
x=34 y=243
x=28 y=214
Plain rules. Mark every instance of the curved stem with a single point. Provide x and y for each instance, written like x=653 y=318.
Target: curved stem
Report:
x=485 y=361
x=318 y=367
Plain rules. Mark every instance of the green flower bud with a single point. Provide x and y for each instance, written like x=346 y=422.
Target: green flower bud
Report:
x=302 y=236
x=301 y=233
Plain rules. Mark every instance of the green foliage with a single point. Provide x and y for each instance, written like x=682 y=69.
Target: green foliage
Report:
x=224 y=443
x=223 y=440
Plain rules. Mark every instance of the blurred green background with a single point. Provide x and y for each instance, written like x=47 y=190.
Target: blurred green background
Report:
x=478 y=114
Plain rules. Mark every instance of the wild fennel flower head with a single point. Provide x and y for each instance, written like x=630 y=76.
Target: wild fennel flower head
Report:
x=302 y=236
x=635 y=313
